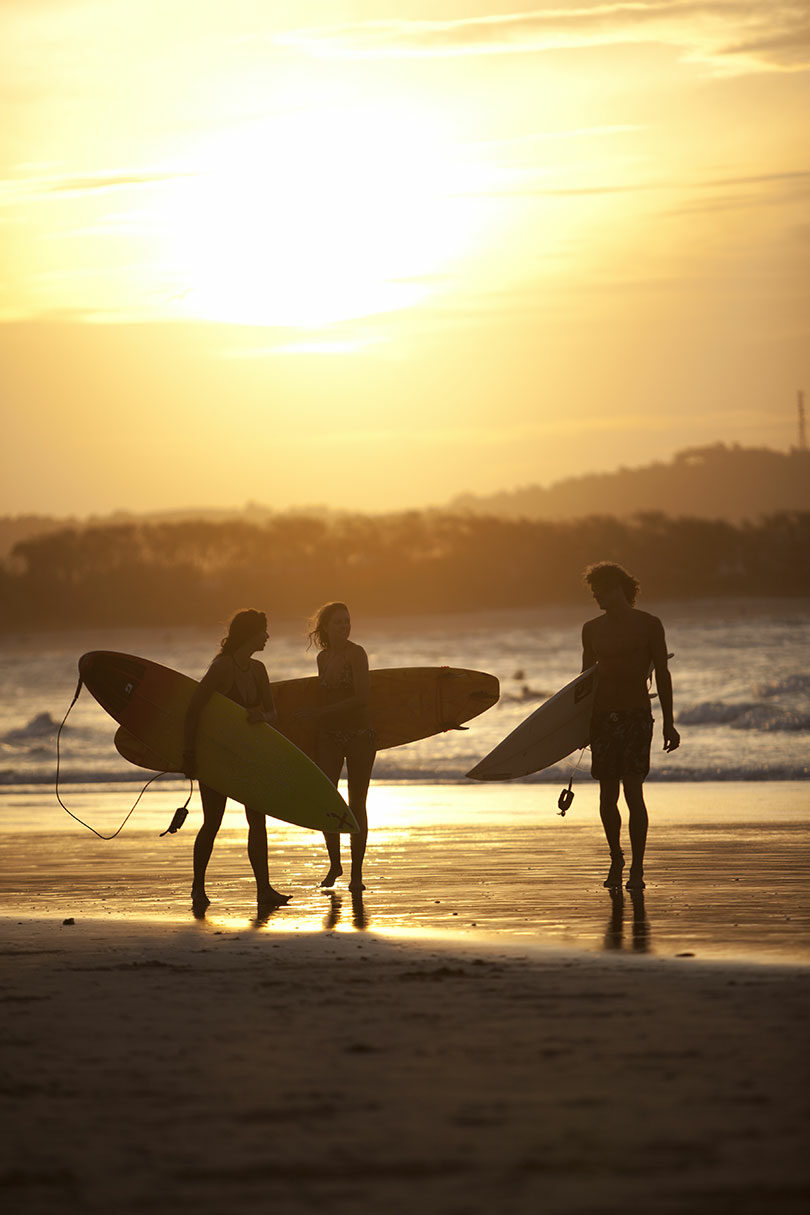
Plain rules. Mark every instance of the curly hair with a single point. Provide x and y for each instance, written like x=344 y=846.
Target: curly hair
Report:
x=607 y=574
x=318 y=624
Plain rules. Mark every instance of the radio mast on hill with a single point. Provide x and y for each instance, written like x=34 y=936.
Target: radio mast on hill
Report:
x=802 y=429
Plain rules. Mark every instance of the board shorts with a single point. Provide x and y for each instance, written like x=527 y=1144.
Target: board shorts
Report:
x=620 y=744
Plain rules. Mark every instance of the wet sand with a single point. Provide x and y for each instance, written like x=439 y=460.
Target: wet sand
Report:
x=486 y=1030
x=726 y=868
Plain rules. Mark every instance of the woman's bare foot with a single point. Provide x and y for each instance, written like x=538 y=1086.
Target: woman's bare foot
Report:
x=614 y=877
x=271 y=898
x=199 y=899
x=332 y=876
x=636 y=879
x=356 y=884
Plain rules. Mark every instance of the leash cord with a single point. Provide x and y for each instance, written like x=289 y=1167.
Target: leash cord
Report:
x=58 y=765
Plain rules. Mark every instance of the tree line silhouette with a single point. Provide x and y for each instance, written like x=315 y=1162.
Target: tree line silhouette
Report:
x=414 y=562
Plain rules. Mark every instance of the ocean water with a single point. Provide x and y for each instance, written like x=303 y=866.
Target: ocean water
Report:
x=741 y=675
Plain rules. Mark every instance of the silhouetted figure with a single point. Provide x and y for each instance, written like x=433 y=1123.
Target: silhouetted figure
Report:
x=343 y=725
x=626 y=644
x=614 y=934
x=243 y=679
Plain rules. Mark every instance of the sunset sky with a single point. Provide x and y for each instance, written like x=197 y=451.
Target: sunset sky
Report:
x=374 y=255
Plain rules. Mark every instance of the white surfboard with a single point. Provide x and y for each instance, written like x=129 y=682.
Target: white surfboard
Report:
x=561 y=725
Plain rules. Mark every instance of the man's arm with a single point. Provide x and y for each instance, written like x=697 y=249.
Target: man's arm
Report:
x=663 y=684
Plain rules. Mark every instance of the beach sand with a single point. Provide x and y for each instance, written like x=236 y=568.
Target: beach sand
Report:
x=485 y=1030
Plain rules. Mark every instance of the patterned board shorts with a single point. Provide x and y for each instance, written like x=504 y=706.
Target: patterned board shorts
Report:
x=620 y=743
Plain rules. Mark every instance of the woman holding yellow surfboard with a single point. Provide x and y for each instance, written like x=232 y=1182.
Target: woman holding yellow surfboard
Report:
x=344 y=730
x=243 y=679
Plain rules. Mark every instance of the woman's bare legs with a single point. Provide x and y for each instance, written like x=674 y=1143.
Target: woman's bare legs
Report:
x=359 y=755
x=330 y=762
x=266 y=895
x=213 y=805
x=359 y=763
x=213 y=809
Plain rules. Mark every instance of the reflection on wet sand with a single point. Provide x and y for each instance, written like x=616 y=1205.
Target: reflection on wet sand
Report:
x=360 y=917
x=614 y=934
x=264 y=916
x=518 y=879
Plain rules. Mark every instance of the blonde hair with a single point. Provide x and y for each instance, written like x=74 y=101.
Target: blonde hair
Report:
x=318 y=624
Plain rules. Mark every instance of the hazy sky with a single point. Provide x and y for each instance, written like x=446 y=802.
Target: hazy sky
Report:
x=375 y=254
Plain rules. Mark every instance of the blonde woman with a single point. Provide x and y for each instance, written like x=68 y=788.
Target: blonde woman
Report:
x=343 y=727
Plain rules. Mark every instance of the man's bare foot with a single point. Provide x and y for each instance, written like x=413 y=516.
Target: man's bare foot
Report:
x=356 y=884
x=199 y=899
x=270 y=898
x=636 y=879
x=614 y=877
x=332 y=876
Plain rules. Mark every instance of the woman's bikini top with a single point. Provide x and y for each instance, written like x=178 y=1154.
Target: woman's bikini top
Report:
x=353 y=718
x=235 y=694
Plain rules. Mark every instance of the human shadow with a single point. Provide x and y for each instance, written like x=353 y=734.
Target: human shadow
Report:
x=360 y=916
x=266 y=912
x=330 y=920
x=640 y=924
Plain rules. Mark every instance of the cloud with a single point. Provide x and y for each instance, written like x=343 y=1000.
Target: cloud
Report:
x=791 y=45
x=39 y=187
x=755 y=188
x=91 y=183
x=740 y=35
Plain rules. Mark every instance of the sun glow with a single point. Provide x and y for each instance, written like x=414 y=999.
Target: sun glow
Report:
x=318 y=216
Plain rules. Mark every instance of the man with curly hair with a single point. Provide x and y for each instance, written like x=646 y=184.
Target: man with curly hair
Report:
x=626 y=645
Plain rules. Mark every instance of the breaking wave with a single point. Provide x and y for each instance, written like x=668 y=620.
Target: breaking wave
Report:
x=745 y=716
x=40 y=727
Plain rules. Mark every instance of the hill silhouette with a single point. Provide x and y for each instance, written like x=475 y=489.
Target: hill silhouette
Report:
x=716 y=482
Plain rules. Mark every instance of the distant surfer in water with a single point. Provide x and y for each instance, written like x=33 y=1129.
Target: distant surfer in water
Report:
x=243 y=679
x=343 y=727
x=625 y=643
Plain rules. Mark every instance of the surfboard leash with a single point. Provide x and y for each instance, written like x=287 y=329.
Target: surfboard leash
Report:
x=179 y=814
x=567 y=796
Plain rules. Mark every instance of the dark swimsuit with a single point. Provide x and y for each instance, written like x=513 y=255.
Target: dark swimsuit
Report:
x=350 y=725
x=238 y=697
